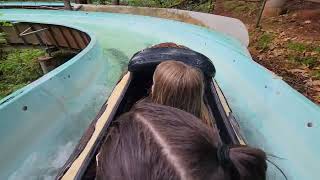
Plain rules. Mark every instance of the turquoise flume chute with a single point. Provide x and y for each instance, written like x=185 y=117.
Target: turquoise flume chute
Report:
x=35 y=143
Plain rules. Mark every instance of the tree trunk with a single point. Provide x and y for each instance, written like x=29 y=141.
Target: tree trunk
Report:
x=274 y=7
x=67 y=5
x=115 y=2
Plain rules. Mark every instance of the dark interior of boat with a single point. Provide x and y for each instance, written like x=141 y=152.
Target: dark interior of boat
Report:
x=139 y=88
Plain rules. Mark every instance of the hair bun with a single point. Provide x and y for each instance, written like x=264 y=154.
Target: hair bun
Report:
x=223 y=157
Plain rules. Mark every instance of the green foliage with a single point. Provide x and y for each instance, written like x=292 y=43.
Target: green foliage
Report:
x=229 y=5
x=301 y=53
x=18 y=68
x=2 y=39
x=145 y=3
x=305 y=60
x=308 y=61
x=297 y=46
x=101 y=2
x=316 y=74
x=3 y=35
x=303 y=47
x=240 y=6
x=316 y=48
x=264 y=41
x=154 y=3
x=200 y=5
x=206 y=7
x=5 y=23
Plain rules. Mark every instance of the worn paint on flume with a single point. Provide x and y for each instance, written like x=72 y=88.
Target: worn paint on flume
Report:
x=42 y=122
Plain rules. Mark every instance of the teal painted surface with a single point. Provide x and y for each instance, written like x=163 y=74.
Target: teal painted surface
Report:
x=31 y=3
x=272 y=115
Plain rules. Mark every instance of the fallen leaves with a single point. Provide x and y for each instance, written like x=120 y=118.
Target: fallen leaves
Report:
x=307 y=22
x=295 y=63
x=292 y=52
x=303 y=71
x=314 y=83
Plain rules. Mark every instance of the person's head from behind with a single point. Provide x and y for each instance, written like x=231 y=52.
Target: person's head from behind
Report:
x=181 y=86
x=159 y=142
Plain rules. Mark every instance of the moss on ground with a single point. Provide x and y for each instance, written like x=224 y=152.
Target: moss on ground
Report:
x=303 y=53
x=297 y=46
x=264 y=41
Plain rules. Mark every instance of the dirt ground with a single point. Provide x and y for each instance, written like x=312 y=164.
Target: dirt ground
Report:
x=288 y=45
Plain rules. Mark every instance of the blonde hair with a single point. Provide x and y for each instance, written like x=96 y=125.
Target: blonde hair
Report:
x=181 y=86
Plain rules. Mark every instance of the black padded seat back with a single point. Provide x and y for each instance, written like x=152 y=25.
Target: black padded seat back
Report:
x=148 y=59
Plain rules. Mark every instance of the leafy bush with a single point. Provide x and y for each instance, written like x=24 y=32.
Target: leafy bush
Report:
x=2 y=39
x=194 y=5
x=19 y=68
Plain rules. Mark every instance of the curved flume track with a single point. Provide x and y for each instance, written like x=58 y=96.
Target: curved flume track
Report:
x=37 y=140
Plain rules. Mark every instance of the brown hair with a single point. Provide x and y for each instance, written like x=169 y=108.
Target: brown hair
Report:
x=159 y=142
x=181 y=86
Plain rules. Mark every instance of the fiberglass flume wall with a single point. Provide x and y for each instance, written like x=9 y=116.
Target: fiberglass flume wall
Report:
x=34 y=143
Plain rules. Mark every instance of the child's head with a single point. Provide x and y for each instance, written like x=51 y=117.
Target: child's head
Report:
x=159 y=142
x=181 y=86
